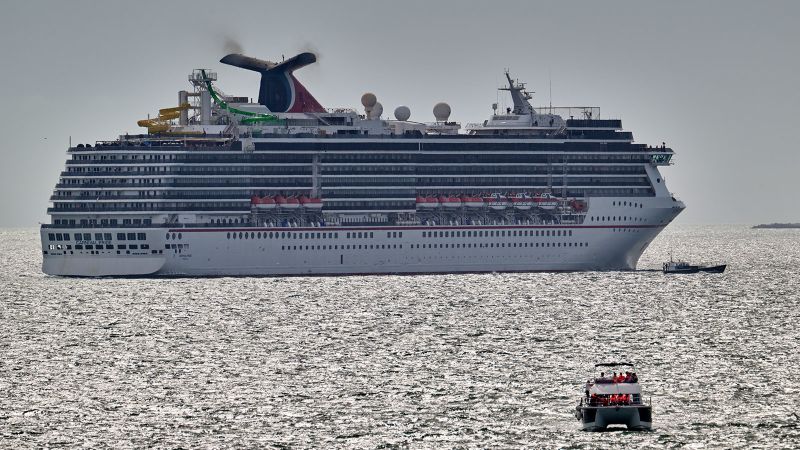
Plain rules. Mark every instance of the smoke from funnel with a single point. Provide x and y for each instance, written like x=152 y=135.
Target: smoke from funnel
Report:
x=231 y=45
x=308 y=47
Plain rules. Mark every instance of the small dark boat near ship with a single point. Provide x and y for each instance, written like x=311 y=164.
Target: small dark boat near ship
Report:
x=684 y=267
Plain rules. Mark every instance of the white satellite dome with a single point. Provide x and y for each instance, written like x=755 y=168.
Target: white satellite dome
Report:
x=377 y=110
x=369 y=100
x=402 y=113
x=441 y=111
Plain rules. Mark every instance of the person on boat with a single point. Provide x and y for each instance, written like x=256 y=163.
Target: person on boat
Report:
x=634 y=378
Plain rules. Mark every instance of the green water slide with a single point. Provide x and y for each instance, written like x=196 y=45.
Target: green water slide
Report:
x=250 y=117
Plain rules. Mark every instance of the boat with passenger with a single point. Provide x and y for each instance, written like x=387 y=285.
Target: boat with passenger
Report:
x=613 y=399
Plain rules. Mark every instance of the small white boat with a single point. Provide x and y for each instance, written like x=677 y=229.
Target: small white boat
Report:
x=614 y=399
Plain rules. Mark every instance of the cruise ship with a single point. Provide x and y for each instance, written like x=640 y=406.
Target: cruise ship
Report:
x=221 y=185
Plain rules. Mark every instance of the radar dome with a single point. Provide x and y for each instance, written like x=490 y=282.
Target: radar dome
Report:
x=402 y=113
x=441 y=111
x=369 y=100
x=377 y=110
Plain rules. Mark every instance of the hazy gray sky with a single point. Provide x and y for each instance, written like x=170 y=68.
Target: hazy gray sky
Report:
x=716 y=80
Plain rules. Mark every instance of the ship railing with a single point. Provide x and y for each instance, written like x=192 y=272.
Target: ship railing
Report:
x=568 y=112
x=340 y=110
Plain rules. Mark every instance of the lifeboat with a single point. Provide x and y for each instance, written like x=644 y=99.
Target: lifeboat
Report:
x=255 y=200
x=521 y=201
x=496 y=201
x=546 y=201
x=265 y=203
x=292 y=203
x=310 y=203
x=449 y=201
x=427 y=202
x=280 y=200
x=472 y=202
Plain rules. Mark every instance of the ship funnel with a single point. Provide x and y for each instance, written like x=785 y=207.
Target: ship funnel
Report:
x=279 y=91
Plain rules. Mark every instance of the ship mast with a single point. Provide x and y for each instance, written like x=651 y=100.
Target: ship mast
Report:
x=519 y=96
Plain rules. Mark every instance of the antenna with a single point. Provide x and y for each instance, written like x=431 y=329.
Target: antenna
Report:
x=550 y=77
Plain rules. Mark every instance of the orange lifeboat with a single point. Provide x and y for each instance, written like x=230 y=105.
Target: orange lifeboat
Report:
x=292 y=203
x=310 y=203
x=472 y=201
x=578 y=205
x=427 y=202
x=265 y=203
x=521 y=201
x=546 y=201
x=496 y=201
x=449 y=201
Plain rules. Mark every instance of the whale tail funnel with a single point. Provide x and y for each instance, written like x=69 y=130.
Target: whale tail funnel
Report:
x=279 y=91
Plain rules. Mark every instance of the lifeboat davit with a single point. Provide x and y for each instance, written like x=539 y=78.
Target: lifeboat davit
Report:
x=265 y=203
x=546 y=201
x=310 y=203
x=427 y=202
x=521 y=201
x=471 y=202
x=496 y=201
x=449 y=201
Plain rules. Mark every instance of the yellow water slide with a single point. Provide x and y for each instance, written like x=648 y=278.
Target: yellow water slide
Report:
x=162 y=123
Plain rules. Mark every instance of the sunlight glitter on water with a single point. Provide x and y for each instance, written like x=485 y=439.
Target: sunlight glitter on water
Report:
x=417 y=361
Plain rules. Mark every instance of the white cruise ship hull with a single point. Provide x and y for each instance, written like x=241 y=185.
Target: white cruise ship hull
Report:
x=593 y=245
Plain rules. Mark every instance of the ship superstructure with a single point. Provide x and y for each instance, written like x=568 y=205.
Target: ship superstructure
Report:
x=221 y=185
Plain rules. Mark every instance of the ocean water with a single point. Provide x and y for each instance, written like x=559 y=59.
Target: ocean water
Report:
x=404 y=361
